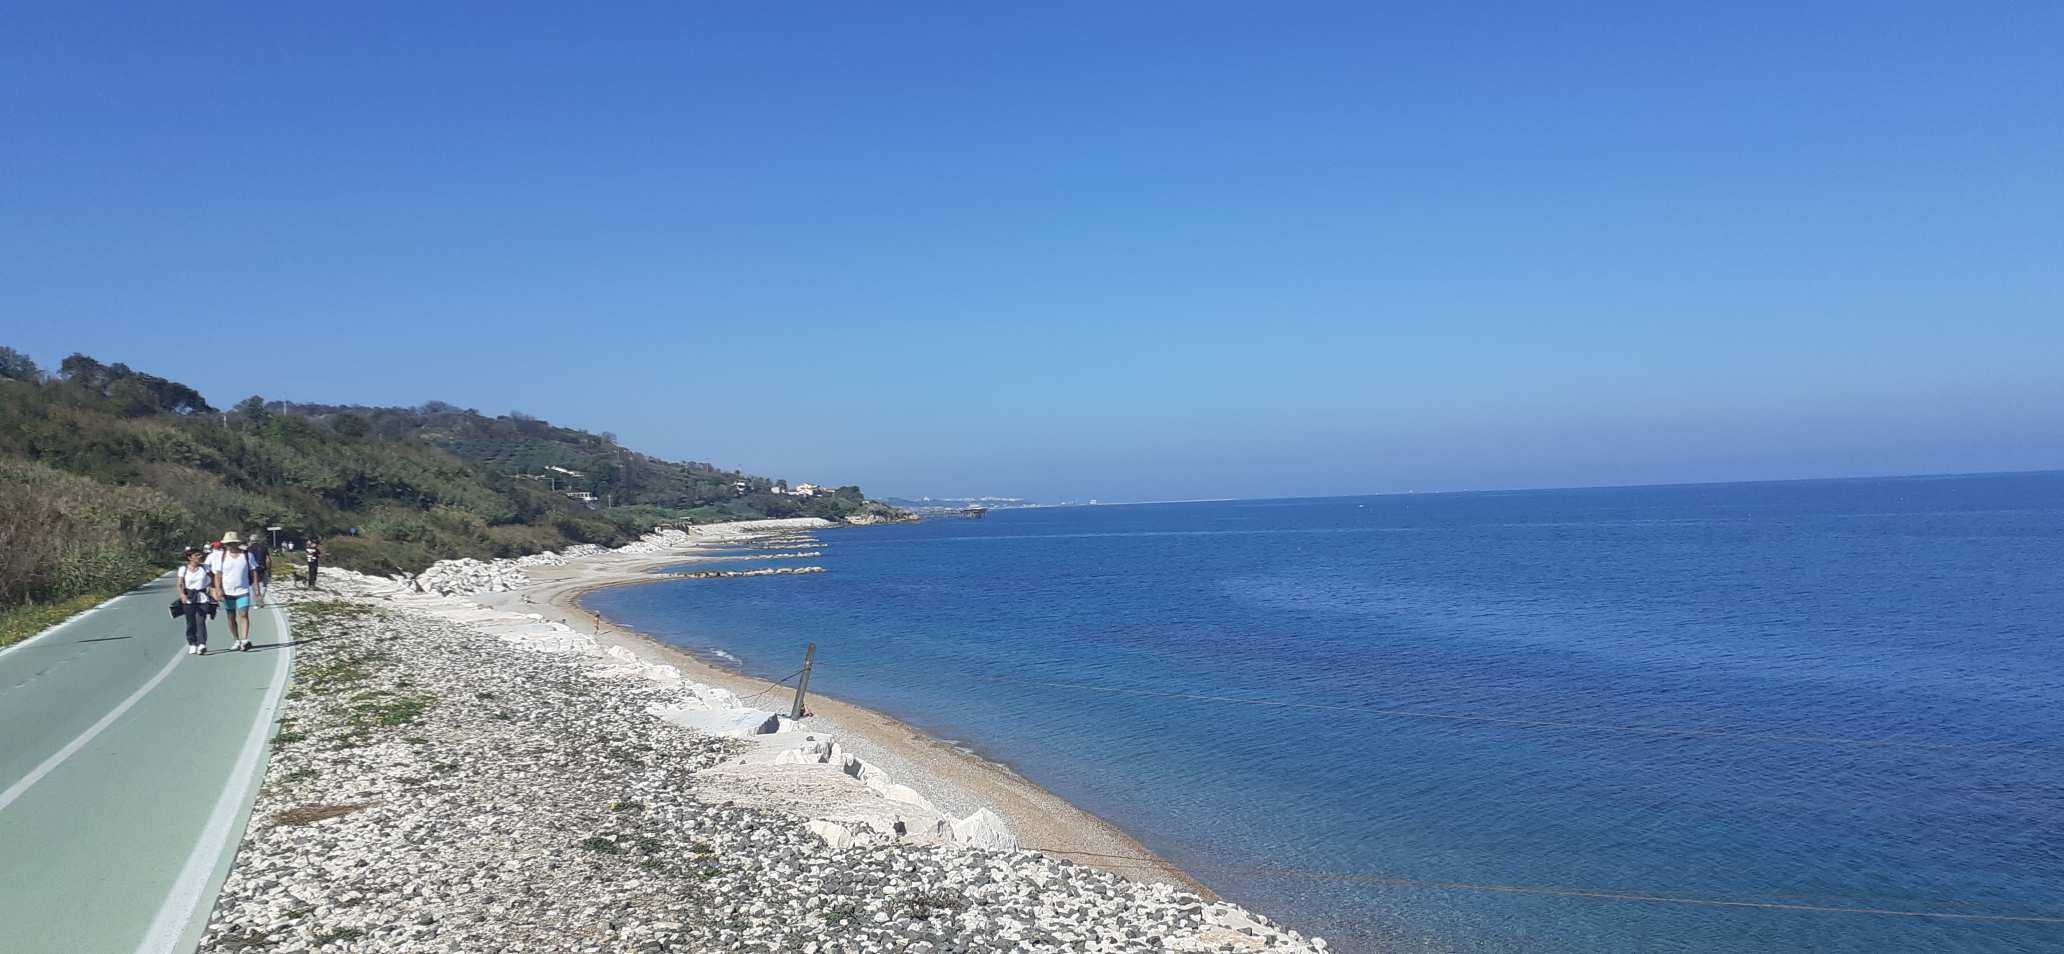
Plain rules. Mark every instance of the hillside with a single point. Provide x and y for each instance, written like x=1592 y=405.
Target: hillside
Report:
x=567 y=460
x=106 y=472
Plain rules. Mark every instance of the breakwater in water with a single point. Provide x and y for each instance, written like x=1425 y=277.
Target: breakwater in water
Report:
x=721 y=574
x=1377 y=716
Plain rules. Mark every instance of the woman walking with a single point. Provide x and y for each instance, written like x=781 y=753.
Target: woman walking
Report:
x=194 y=580
x=314 y=558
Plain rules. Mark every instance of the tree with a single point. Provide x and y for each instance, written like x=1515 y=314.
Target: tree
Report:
x=18 y=366
x=175 y=397
x=131 y=397
x=252 y=408
x=781 y=507
x=349 y=425
x=128 y=391
x=82 y=370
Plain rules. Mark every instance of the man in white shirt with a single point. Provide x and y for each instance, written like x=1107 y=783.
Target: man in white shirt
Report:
x=236 y=585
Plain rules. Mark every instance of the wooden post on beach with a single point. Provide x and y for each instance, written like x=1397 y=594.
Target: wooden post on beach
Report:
x=803 y=682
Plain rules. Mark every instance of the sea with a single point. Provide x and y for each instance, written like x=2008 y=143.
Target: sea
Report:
x=1753 y=717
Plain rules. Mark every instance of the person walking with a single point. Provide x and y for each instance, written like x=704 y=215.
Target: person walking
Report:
x=314 y=559
x=194 y=584
x=236 y=586
x=261 y=559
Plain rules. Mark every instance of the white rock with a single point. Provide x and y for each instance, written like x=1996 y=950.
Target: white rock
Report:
x=835 y=835
x=716 y=697
x=733 y=723
x=903 y=794
x=984 y=829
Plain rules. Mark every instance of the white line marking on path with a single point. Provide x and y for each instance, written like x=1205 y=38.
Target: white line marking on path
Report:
x=181 y=903
x=57 y=758
x=110 y=601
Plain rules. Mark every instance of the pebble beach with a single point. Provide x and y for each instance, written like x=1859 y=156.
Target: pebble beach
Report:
x=469 y=762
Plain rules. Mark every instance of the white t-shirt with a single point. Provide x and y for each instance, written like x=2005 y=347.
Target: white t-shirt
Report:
x=234 y=571
x=194 y=577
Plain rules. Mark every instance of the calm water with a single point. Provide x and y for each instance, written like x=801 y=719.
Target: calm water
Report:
x=1793 y=619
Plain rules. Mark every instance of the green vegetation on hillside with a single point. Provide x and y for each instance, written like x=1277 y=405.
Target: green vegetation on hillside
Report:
x=107 y=472
x=522 y=446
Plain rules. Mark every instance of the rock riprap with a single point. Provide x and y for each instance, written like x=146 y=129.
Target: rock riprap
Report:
x=450 y=577
x=468 y=576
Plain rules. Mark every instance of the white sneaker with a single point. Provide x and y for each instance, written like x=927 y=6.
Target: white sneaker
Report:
x=190 y=648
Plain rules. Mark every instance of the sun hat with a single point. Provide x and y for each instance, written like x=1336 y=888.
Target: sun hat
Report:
x=231 y=537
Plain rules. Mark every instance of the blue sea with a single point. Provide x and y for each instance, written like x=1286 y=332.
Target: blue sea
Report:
x=1690 y=718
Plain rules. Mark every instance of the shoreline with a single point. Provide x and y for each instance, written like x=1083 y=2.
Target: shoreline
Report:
x=507 y=783
x=949 y=774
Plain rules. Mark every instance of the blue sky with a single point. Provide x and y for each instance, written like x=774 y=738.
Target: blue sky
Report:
x=1067 y=250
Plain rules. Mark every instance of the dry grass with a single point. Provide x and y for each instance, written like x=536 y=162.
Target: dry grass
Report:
x=21 y=622
x=64 y=536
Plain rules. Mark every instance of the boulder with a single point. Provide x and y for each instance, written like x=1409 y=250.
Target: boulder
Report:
x=901 y=794
x=835 y=835
x=734 y=723
x=716 y=698
x=984 y=829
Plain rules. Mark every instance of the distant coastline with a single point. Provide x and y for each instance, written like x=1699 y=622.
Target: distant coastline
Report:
x=1948 y=475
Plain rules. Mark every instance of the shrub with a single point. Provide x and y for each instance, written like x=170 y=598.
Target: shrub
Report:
x=62 y=535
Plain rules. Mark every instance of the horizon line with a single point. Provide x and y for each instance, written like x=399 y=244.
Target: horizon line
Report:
x=1527 y=490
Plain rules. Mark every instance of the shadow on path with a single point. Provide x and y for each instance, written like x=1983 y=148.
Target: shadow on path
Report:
x=262 y=647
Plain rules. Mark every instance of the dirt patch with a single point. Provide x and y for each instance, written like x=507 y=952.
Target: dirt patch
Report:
x=310 y=814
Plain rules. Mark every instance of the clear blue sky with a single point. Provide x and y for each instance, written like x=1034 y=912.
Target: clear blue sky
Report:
x=1116 y=250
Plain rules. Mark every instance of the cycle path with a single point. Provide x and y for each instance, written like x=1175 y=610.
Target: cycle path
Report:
x=127 y=772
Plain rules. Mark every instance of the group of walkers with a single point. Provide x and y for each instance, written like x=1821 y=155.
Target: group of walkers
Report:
x=232 y=576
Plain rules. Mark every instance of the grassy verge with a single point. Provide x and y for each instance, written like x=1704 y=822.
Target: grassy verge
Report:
x=22 y=622
x=361 y=702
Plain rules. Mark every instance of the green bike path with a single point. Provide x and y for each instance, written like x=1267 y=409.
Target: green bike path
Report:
x=127 y=772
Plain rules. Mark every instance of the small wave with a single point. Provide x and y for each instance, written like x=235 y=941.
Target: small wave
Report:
x=720 y=654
